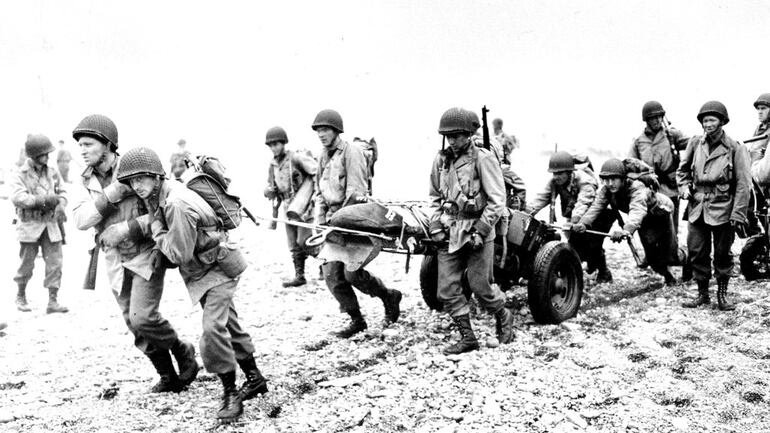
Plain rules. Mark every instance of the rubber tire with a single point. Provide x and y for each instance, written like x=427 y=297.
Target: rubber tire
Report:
x=429 y=283
x=754 y=258
x=554 y=263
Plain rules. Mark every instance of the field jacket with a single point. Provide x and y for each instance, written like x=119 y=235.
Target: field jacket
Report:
x=575 y=197
x=26 y=184
x=655 y=150
x=720 y=182
x=342 y=173
x=287 y=173
x=634 y=199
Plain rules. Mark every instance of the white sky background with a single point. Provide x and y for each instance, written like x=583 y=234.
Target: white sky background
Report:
x=220 y=74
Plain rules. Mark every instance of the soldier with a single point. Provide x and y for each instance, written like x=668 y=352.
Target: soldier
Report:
x=762 y=105
x=714 y=176
x=178 y=158
x=467 y=189
x=292 y=176
x=648 y=212
x=509 y=142
x=188 y=233
x=63 y=159
x=133 y=264
x=342 y=179
x=659 y=146
x=37 y=192
x=576 y=190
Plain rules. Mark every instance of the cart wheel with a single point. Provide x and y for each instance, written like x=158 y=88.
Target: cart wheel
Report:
x=755 y=258
x=429 y=283
x=556 y=287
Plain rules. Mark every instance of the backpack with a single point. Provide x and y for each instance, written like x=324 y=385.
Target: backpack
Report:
x=207 y=178
x=639 y=170
x=371 y=153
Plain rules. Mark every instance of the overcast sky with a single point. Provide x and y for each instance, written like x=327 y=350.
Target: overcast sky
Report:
x=221 y=73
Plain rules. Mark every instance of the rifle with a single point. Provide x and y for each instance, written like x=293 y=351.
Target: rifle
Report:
x=637 y=258
x=276 y=209
x=484 y=127
x=249 y=215
x=665 y=123
x=757 y=138
x=90 y=281
x=63 y=233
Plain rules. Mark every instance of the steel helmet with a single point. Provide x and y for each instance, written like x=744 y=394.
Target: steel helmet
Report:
x=38 y=144
x=714 y=108
x=276 y=133
x=764 y=99
x=561 y=161
x=652 y=109
x=613 y=167
x=139 y=161
x=329 y=118
x=99 y=127
x=456 y=120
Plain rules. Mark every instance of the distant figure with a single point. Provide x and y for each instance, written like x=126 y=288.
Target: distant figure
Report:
x=509 y=142
x=757 y=148
x=178 y=165
x=63 y=159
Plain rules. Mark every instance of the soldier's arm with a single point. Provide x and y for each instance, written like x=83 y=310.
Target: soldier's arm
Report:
x=542 y=199
x=357 y=170
x=637 y=207
x=679 y=137
x=760 y=170
x=633 y=151
x=20 y=197
x=321 y=207
x=684 y=172
x=434 y=191
x=742 y=184
x=585 y=199
x=177 y=240
x=305 y=162
x=598 y=205
x=491 y=177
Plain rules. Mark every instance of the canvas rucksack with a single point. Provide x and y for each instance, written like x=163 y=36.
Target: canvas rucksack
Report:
x=639 y=170
x=207 y=178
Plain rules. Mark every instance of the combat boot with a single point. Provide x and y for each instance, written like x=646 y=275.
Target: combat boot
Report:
x=255 y=383
x=504 y=326
x=722 y=301
x=53 y=305
x=169 y=381
x=299 y=273
x=232 y=406
x=184 y=353
x=703 y=295
x=467 y=341
x=392 y=302
x=21 y=299
x=357 y=324
x=604 y=275
x=669 y=279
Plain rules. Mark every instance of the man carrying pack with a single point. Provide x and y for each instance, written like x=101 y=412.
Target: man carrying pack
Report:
x=648 y=211
x=468 y=193
x=576 y=190
x=189 y=234
x=291 y=178
x=342 y=179
x=38 y=194
x=133 y=264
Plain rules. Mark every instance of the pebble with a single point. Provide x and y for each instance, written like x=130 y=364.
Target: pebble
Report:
x=390 y=333
x=571 y=326
x=492 y=342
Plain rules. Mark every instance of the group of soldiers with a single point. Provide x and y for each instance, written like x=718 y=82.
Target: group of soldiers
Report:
x=145 y=223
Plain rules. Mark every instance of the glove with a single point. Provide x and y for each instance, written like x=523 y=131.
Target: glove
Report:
x=578 y=228
x=117 y=191
x=58 y=213
x=476 y=241
x=271 y=192
x=619 y=235
x=157 y=260
x=114 y=234
x=740 y=229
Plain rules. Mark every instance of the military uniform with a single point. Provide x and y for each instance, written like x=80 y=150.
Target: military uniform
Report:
x=648 y=212
x=63 y=159
x=37 y=223
x=660 y=151
x=286 y=176
x=720 y=183
x=575 y=198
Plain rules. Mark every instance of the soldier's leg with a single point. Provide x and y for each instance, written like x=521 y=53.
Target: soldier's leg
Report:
x=450 y=293
x=490 y=297
x=603 y=223
x=27 y=254
x=342 y=290
x=369 y=284
x=52 y=254
x=255 y=383
x=699 y=249
x=724 y=236
x=144 y=313
x=675 y=215
x=656 y=236
x=298 y=257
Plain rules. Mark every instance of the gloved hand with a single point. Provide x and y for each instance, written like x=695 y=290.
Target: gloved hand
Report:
x=740 y=229
x=114 y=234
x=271 y=192
x=117 y=191
x=157 y=260
x=58 y=213
x=51 y=200
x=619 y=235
x=476 y=241
x=578 y=228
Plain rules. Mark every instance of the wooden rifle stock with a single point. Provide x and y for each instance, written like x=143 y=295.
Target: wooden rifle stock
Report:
x=276 y=208
x=485 y=127
x=637 y=258
x=90 y=281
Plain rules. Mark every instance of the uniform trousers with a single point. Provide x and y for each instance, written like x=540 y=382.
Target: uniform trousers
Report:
x=296 y=237
x=699 y=240
x=341 y=282
x=478 y=264
x=590 y=247
x=224 y=342
x=52 y=255
x=661 y=246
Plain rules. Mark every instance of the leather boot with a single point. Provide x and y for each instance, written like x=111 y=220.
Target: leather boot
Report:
x=255 y=383
x=232 y=406
x=722 y=301
x=184 y=353
x=504 y=326
x=169 y=381
x=299 y=273
x=703 y=295
x=356 y=325
x=21 y=299
x=604 y=275
x=392 y=302
x=669 y=279
x=53 y=305
x=467 y=341
x=686 y=273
